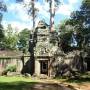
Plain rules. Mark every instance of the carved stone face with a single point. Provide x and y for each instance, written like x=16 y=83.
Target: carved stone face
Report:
x=42 y=49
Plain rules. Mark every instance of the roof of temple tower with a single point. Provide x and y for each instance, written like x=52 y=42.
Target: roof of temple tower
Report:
x=42 y=24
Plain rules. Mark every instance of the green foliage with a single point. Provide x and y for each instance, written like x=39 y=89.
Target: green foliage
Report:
x=79 y=23
x=16 y=83
x=3 y=8
x=23 y=43
x=11 y=68
x=1 y=32
x=65 y=32
x=10 y=43
x=10 y=40
x=81 y=19
x=13 y=40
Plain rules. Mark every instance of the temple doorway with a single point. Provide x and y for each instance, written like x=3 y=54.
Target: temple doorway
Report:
x=44 y=67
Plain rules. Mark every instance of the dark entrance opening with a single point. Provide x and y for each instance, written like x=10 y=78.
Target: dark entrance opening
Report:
x=44 y=67
x=88 y=64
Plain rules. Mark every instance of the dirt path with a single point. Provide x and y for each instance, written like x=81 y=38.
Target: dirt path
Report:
x=82 y=86
x=50 y=86
x=76 y=86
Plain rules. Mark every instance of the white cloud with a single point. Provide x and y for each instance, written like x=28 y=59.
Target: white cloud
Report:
x=43 y=9
x=5 y=0
x=27 y=1
x=21 y=15
x=19 y=25
x=16 y=25
x=64 y=9
x=19 y=11
x=72 y=1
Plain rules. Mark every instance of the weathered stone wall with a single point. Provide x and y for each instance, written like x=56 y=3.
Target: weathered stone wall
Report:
x=69 y=64
x=12 y=61
x=5 y=62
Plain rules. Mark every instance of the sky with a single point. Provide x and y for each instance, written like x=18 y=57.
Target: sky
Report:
x=19 y=19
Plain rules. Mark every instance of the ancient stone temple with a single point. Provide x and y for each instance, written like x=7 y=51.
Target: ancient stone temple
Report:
x=48 y=58
x=43 y=49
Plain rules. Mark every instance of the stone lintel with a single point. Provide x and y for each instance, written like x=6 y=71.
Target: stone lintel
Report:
x=43 y=56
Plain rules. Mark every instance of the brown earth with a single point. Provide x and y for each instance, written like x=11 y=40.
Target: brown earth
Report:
x=82 y=86
x=76 y=86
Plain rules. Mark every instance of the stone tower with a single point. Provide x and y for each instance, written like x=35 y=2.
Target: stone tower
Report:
x=44 y=50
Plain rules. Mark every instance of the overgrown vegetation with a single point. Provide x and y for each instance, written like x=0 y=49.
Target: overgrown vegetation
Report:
x=13 y=40
x=9 y=68
x=23 y=42
x=78 y=24
x=70 y=36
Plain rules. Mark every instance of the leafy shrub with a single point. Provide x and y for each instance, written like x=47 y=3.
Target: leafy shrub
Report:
x=11 y=68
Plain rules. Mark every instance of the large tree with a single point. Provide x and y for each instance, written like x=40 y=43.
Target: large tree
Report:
x=80 y=23
x=3 y=9
x=31 y=9
x=23 y=43
x=53 y=5
x=85 y=11
x=65 y=32
x=10 y=40
x=81 y=19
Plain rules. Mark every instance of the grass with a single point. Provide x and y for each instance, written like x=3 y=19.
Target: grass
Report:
x=23 y=83
x=14 y=79
x=16 y=83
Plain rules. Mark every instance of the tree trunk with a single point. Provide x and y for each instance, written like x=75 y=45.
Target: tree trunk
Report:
x=33 y=14
x=52 y=14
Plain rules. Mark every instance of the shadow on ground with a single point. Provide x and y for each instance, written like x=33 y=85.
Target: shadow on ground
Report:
x=78 y=80
x=31 y=86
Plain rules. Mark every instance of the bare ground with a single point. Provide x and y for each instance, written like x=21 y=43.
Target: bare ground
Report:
x=76 y=86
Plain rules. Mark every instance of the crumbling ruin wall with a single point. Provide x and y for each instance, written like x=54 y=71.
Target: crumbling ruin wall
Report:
x=69 y=64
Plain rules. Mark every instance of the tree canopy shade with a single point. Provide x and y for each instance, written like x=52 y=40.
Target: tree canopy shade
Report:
x=79 y=23
x=23 y=42
x=10 y=39
x=3 y=8
x=1 y=32
x=81 y=19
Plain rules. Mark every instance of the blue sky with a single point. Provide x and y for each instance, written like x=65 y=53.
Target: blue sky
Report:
x=17 y=15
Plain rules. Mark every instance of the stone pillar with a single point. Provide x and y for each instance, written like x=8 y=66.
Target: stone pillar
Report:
x=37 y=67
x=50 y=67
